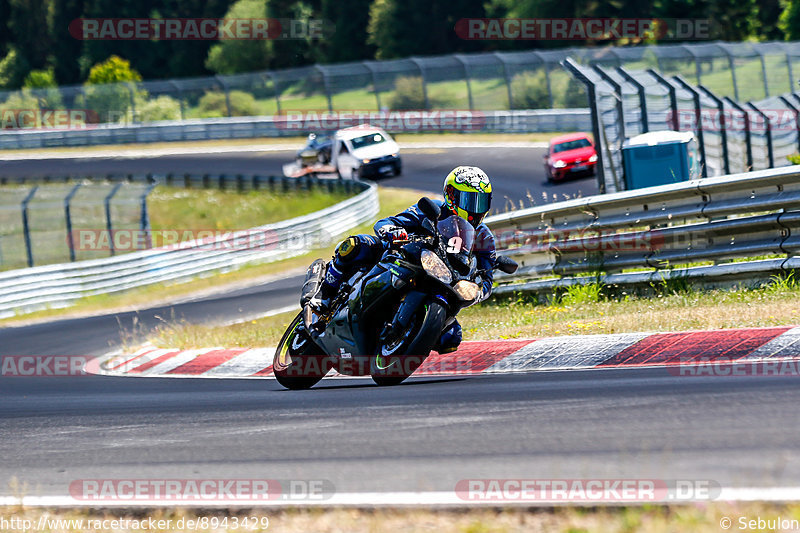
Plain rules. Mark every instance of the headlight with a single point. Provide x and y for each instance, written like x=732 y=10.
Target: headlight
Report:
x=435 y=266
x=559 y=164
x=467 y=290
x=365 y=161
x=593 y=158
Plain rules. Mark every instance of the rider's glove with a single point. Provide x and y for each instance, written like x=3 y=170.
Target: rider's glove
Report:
x=392 y=233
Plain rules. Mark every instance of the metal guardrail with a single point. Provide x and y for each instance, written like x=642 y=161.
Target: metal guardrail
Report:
x=712 y=219
x=61 y=284
x=524 y=121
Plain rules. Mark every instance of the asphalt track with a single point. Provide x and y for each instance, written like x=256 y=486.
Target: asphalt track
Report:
x=422 y=436
x=515 y=172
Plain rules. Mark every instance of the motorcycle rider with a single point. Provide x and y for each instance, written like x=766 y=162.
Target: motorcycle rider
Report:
x=467 y=193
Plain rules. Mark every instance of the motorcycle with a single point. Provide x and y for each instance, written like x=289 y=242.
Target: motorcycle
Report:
x=386 y=320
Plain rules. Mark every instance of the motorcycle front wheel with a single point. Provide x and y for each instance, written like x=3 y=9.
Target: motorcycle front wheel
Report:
x=399 y=357
x=299 y=363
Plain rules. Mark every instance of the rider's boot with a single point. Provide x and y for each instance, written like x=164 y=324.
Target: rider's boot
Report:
x=329 y=287
x=450 y=339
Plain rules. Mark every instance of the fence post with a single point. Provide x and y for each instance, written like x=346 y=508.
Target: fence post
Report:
x=224 y=85
x=673 y=99
x=763 y=73
x=618 y=94
x=422 y=72
x=109 y=224
x=180 y=98
x=466 y=79
x=570 y=65
x=26 y=231
x=697 y=68
x=765 y=118
x=326 y=84
x=723 y=128
x=68 y=221
x=144 y=222
x=132 y=93
x=374 y=83
x=698 y=121
x=507 y=78
x=732 y=66
x=794 y=107
x=642 y=98
x=747 y=136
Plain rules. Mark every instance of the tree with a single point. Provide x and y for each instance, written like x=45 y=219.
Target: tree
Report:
x=790 y=20
x=234 y=56
x=66 y=48
x=349 y=40
x=400 y=28
x=29 y=31
x=110 y=89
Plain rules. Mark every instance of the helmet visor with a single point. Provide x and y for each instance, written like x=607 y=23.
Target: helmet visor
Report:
x=474 y=201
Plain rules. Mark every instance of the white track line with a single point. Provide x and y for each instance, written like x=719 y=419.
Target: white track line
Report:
x=400 y=499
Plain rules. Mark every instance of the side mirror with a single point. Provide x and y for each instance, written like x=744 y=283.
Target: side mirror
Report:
x=429 y=208
x=506 y=264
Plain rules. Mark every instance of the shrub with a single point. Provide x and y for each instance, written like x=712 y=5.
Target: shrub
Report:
x=13 y=68
x=161 y=108
x=109 y=87
x=44 y=88
x=794 y=159
x=213 y=104
x=529 y=91
x=408 y=93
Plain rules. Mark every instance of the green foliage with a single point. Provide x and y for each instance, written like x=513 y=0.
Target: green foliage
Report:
x=110 y=89
x=40 y=79
x=789 y=21
x=161 y=108
x=529 y=90
x=794 y=159
x=112 y=70
x=213 y=104
x=234 y=56
x=582 y=294
x=409 y=94
x=13 y=68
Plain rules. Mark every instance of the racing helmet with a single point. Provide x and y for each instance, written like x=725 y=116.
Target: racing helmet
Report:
x=468 y=193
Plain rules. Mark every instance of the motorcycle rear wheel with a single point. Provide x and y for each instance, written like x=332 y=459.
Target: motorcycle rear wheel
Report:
x=389 y=366
x=299 y=363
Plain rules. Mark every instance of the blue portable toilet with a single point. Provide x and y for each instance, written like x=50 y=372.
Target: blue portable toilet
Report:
x=659 y=158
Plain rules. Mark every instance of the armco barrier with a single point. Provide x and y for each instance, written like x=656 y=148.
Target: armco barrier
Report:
x=59 y=285
x=523 y=121
x=713 y=219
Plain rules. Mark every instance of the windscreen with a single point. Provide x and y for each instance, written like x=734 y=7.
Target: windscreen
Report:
x=459 y=234
x=571 y=145
x=367 y=140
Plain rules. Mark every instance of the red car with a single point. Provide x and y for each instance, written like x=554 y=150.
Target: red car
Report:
x=570 y=155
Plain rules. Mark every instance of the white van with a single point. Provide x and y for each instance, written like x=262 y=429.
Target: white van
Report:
x=365 y=151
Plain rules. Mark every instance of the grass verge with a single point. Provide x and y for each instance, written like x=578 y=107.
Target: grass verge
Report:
x=392 y=200
x=695 y=518
x=579 y=311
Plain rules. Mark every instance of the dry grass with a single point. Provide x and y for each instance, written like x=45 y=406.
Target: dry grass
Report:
x=392 y=200
x=694 y=518
x=577 y=313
